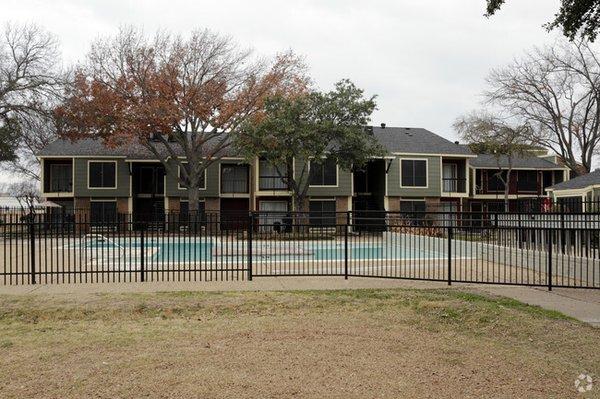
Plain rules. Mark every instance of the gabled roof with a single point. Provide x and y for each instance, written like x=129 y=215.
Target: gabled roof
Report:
x=411 y=140
x=95 y=147
x=522 y=162
x=394 y=139
x=590 y=179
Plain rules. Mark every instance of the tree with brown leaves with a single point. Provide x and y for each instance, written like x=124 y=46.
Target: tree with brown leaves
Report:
x=183 y=99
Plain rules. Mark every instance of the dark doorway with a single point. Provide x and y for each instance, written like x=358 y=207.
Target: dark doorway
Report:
x=148 y=179
x=150 y=211
x=369 y=196
x=234 y=213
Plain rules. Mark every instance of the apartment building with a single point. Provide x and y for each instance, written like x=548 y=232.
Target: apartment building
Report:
x=420 y=171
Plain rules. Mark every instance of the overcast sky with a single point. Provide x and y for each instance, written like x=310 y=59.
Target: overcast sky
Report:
x=425 y=59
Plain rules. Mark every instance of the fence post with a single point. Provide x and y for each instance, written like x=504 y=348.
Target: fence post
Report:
x=450 y=255
x=346 y=245
x=250 y=232
x=32 y=246
x=549 y=260
x=143 y=252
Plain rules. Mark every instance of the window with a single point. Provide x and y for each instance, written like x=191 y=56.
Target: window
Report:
x=323 y=173
x=184 y=207
x=184 y=211
x=102 y=175
x=234 y=178
x=274 y=216
x=495 y=183
x=570 y=204
x=269 y=178
x=61 y=178
x=201 y=182
x=527 y=180
x=414 y=173
x=413 y=210
x=322 y=213
x=449 y=216
x=103 y=212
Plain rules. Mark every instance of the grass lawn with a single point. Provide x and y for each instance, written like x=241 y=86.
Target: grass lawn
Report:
x=334 y=344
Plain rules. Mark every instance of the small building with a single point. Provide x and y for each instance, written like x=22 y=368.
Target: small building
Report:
x=581 y=194
x=531 y=175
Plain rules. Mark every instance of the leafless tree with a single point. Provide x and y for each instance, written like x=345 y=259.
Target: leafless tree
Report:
x=31 y=82
x=27 y=194
x=489 y=134
x=556 y=91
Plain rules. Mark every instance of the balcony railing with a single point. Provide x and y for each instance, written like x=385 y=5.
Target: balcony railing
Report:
x=271 y=183
x=234 y=186
x=58 y=185
x=454 y=185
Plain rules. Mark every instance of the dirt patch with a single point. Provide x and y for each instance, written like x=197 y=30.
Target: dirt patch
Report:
x=334 y=344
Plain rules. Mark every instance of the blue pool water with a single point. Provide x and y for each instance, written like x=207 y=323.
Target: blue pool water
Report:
x=209 y=251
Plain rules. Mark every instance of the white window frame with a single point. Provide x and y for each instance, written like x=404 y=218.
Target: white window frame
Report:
x=103 y=188
x=337 y=176
x=179 y=179
x=426 y=186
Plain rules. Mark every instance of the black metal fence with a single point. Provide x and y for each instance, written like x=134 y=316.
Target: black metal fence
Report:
x=551 y=250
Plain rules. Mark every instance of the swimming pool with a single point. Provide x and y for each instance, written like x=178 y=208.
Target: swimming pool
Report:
x=213 y=250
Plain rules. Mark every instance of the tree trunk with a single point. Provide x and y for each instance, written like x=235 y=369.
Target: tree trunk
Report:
x=507 y=190
x=193 y=199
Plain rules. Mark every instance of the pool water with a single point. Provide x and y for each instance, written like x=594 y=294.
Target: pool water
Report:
x=209 y=251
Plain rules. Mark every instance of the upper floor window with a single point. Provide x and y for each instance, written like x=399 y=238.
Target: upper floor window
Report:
x=414 y=173
x=102 y=174
x=323 y=172
x=527 y=180
x=60 y=178
x=201 y=180
x=234 y=178
x=496 y=180
x=269 y=176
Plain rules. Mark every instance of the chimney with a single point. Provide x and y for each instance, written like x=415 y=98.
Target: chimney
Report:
x=383 y=125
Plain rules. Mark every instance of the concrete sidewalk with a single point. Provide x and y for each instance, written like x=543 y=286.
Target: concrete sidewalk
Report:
x=581 y=304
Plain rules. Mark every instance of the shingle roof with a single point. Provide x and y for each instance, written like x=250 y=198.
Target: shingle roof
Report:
x=394 y=139
x=95 y=147
x=583 y=181
x=530 y=162
x=417 y=141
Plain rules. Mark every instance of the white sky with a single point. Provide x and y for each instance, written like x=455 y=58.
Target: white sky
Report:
x=425 y=59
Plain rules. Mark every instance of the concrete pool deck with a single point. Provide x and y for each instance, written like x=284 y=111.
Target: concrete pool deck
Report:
x=581 y=304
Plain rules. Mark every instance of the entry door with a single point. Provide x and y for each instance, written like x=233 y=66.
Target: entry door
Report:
x=449 y=174
x=272 y=215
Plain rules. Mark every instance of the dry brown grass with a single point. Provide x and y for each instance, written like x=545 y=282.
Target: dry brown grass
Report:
x=338 y=344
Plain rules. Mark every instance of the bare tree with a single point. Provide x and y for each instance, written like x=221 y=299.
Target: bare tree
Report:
x=31 y=82
x=556 y=91
x=489 y=134
x=174 y=96
x=27 y=194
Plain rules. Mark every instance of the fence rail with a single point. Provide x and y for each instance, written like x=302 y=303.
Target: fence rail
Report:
x=553 y=251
